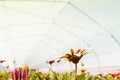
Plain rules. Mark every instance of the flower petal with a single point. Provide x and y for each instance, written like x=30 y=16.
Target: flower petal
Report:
x=72 y=51
x=78 y=51
x=83 y=51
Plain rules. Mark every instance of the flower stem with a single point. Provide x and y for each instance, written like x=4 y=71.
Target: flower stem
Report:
x=75 y=75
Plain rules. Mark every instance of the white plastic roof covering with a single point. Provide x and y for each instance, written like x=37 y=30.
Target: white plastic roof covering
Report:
x=32 y=32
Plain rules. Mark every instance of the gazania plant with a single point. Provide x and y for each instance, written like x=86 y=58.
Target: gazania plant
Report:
x=74 y=57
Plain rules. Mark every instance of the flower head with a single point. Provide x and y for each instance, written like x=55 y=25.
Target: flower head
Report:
x=74 y=56
x=51 y=62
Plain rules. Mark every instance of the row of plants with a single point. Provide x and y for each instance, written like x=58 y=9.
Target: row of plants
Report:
x=52 y=75
x=69 y=76
x=73 y=56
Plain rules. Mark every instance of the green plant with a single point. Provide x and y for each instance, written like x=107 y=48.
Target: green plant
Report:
x=4 y=75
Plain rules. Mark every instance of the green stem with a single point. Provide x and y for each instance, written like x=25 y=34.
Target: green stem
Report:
x=75 y=75
x=38 y=76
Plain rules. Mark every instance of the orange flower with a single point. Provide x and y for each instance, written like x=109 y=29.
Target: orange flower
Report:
x=72 y=57
x=83 y=52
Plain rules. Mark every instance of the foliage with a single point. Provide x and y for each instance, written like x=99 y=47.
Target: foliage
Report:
x=52 y=75
x=5 y=75
x=68 y=76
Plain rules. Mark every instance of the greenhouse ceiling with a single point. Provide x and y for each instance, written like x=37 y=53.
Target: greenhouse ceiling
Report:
x=34 y=31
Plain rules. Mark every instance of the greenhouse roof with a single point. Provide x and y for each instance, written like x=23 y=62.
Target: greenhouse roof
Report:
x=32 y=32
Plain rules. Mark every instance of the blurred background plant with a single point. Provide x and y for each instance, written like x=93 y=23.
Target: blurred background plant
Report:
x=20 y=73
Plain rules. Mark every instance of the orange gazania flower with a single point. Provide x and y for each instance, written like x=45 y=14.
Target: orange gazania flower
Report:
x=74 y=56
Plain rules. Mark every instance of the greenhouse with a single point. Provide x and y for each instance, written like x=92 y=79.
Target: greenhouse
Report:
x=59 y=39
